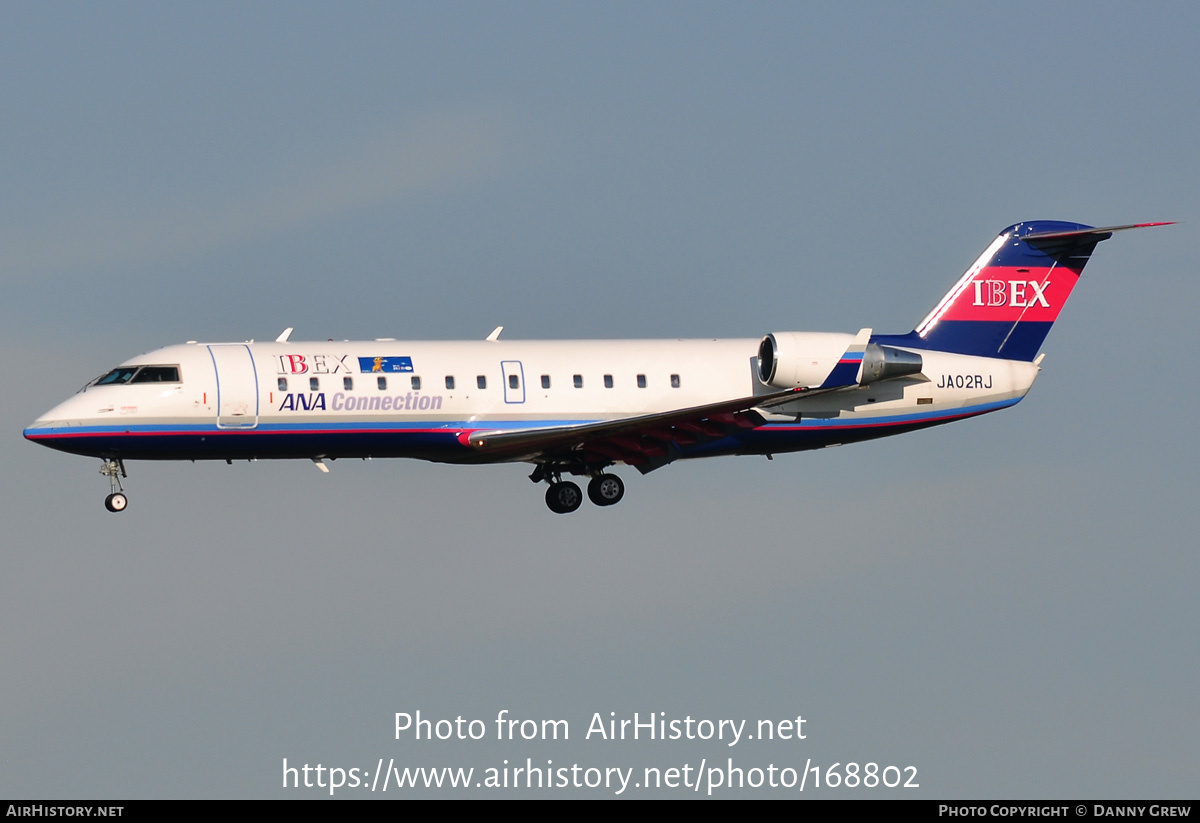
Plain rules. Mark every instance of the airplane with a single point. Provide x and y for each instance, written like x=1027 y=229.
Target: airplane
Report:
x=580 y=407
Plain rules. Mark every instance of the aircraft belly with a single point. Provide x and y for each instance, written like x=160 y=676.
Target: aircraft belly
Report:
x=817 y=432
x=210 y=443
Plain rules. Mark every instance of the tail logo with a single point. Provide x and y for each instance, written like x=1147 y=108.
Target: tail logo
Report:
x=1020 y=293
x=1001 y=306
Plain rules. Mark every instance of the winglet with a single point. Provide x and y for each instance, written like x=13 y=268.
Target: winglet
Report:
x=283 y=338
x=495 y=335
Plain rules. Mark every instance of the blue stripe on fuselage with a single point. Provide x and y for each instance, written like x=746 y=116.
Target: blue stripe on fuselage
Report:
x=433 y=440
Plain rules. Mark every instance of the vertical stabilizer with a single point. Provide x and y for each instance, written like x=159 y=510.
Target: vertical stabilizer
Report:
x=1006 y=302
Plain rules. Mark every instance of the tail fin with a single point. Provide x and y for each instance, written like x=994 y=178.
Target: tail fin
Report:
x=1006 y=302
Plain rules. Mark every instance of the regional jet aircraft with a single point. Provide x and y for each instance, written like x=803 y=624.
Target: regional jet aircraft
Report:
x=580 y=407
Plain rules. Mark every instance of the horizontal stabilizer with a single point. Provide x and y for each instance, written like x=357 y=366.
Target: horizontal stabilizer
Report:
x=1106 y=231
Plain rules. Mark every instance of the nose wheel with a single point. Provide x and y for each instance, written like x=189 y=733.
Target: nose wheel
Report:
x=114 y=470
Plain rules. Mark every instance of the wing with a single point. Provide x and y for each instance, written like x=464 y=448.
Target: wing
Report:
x=645 y=441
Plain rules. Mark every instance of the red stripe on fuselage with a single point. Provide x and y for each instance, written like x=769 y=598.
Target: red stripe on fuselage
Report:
x=230 y=433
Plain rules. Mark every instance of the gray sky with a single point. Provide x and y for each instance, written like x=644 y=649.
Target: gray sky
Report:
x=1007 y=604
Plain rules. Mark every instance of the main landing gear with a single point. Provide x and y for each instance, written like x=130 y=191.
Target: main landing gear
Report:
x=114 y=470
x=606 y=490
x=564 y=497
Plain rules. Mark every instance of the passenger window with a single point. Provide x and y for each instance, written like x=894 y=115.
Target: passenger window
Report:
x=416 y=383
x=283 y=384
x=545 y=381
x=347 y=383
x=314 y=384
x=608 y=381
x=579 y=381
x=674 y=381
x=481 y=382
x=514 y=382
x=641 y=381
x=381 y=382
x=450 y=381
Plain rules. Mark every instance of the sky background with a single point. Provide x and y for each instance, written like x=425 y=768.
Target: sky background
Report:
x=1008 y=604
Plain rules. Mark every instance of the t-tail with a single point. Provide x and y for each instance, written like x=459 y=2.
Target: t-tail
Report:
x=1009 y=298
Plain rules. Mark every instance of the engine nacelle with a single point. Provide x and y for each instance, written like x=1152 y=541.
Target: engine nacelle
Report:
x=792 y=359
x=788 y=360
x=884 y=363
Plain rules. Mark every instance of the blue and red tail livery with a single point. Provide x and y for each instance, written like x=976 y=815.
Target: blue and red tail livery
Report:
x=1006 y=302
x=578 y=407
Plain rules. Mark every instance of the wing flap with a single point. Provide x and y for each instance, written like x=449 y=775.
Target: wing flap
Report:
x=633 y=440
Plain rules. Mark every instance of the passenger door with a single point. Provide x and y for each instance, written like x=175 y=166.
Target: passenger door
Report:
x=237 y=386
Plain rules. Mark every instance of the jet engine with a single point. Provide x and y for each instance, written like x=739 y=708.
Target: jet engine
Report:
x=791 y=359
x=885 y=362
x=806 y=359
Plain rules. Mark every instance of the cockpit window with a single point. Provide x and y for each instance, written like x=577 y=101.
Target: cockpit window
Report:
x=156 y=374
x=138 y=374
x=121 y=375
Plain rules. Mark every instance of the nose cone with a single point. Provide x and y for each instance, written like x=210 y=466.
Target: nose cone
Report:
x=45 y=427
x=62 y=426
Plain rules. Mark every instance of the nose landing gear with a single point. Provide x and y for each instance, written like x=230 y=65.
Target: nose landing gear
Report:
x=114 y=470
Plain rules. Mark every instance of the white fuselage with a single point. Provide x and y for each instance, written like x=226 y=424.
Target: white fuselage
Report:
x=421 y=399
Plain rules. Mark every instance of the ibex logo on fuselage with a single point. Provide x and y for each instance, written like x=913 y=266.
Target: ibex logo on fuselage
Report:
x=1023 y=293
x=316 y=363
